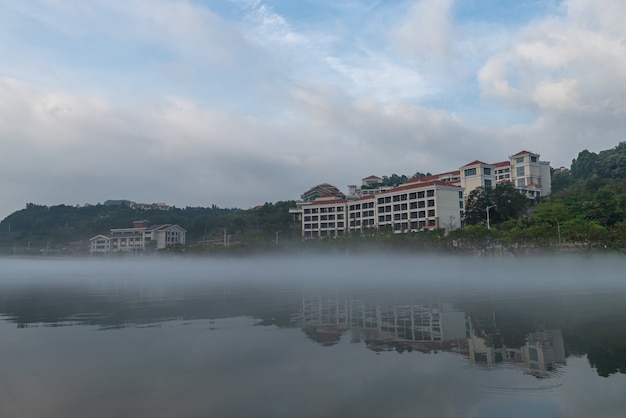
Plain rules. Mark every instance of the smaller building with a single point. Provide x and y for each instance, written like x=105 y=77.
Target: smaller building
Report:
x=138 y=238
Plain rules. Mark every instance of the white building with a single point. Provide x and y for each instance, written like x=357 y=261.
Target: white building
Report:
x=435 y=201
x=410 y=207
x=138 y=238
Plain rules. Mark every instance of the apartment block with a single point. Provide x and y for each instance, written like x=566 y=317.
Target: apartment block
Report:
x=137 y=238
x=430 y=202
x=410 y=207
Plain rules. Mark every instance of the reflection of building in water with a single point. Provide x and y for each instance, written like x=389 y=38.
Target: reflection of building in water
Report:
x=543 y=352
x=539 y=356
x=325 y=317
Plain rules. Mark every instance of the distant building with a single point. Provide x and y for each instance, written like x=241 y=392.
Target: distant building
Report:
x=321 y=190
x=138 y=238
x=147 y=206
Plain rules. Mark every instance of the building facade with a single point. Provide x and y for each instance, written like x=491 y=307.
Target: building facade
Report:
x=421 y=203
x=411 y=207
x=138 y=238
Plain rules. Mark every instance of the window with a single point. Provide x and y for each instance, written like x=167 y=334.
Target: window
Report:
x=533 y=158
x=387 y=218
x=405 y=215
x=381 y=200
x=339 y=224
x=521 y=182
x=431 y=222
x=314 y=210
x=413 y=205
x=307 y=211
x=422 y=214
x=340 y=209
x=470 y=172
x=413 y=215
x=519 y=171
x=430 y=193
x=396 y=198
x=388 y=199
x=324 y=225
x=421 y=204
x=431 y=212
x=413 y=195
x=421 y=195
x=323 y=210
x=487 y=184
x=461 y=204
x=519 y=160
x=486 y=171
x=381 y=218
x=340 y=216
x=403 y=197
x=396 y=207
x=323 y=217
x=431 y=203
x=314 y=218
x=396 y=217
x=403 y=206
x=461 y=194
x=307 y=219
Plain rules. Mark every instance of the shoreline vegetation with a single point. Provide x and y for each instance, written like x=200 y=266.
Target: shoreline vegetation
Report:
x=586 y=213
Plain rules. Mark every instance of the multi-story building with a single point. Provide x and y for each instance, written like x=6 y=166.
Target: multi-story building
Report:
x=138 y=238
x=413 y=206
x=435 y=201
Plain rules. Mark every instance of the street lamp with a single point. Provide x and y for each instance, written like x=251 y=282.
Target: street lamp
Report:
x=487 y=210
x=277 y=232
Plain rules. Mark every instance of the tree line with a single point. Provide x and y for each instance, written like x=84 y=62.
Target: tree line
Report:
x=586 y=210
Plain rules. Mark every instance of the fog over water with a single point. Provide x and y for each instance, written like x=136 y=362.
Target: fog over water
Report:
x=335 y=336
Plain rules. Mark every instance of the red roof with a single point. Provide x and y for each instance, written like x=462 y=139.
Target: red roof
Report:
x=475 y=162
x=521 y=153
x=369 y=196
x=502 y=163
x=372 y=177
x=326 y=202
x=419 y=186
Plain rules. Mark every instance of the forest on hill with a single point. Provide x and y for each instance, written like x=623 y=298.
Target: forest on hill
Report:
x=586 y=210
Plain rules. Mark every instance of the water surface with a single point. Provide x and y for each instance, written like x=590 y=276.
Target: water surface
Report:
x=313 y=337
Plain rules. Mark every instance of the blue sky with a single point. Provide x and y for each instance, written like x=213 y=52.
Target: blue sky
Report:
x=242 y=102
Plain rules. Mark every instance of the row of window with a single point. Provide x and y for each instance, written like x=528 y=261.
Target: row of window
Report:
x=408 y=196
x=324 y=210
x=324 y=225
x=309 y=218
x=359 y=206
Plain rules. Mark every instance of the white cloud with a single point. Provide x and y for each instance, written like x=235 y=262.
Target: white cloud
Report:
x=426 y=31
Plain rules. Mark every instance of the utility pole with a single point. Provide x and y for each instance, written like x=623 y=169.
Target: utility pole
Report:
x=487 y=210
x=558 y=228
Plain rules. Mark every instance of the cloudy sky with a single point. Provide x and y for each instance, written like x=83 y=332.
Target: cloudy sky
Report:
x=241 y=102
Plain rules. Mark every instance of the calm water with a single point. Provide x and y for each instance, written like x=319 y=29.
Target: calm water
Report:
x=313 y=337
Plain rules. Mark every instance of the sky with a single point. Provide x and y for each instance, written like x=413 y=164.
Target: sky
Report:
x=241 y=102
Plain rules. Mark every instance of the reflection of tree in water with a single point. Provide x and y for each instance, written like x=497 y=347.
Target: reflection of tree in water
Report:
x=605 y=348
x=591 y=325
x=325 y=335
